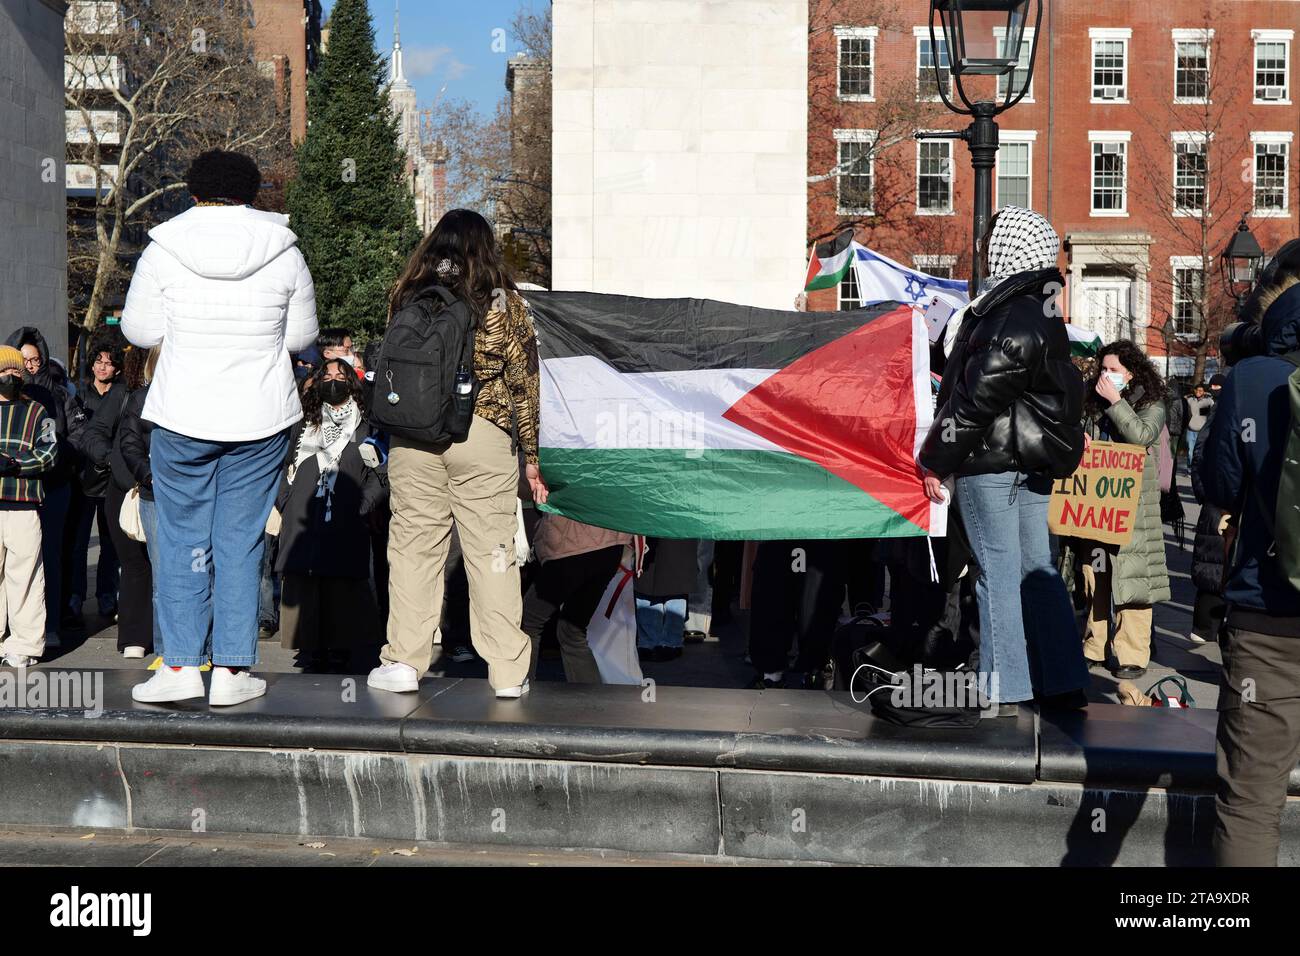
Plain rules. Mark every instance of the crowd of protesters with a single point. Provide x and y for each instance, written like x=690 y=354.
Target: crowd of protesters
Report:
x=225 y=448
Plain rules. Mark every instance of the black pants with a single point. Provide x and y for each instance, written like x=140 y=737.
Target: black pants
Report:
x=798 y=590
x=728 y=556
x=135 y=586
x=572 y=587
x=1207 y=615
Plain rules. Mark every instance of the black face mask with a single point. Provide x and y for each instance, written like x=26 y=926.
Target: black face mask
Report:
x=334 y=392
x=10 y=386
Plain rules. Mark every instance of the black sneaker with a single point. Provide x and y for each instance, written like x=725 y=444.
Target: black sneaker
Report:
x=266 y=632
x=1130 y=672
x=762 y=683
x=664 y=654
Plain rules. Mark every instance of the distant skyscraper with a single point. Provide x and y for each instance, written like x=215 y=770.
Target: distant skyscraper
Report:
x=420 y=170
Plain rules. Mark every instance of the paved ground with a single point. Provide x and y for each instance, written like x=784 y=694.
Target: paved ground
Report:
x=719 y=662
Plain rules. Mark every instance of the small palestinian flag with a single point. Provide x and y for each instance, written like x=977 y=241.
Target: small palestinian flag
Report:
x=687 y=418
x=830 y=262
x=1083 y=342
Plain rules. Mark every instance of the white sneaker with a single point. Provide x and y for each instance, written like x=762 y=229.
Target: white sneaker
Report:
x=18 y=660
x=395 y=676
x=509 y=693
x=233 y=687
x=1196 y=638
x=167 y=685
x=130 y=653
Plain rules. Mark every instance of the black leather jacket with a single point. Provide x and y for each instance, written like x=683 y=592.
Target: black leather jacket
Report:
x=1011 y=400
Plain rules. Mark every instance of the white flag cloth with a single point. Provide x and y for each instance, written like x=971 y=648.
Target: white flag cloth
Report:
x=881 y=279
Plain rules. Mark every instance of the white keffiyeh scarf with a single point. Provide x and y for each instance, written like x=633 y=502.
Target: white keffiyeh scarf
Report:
x=1021 y=241
x=327 y=440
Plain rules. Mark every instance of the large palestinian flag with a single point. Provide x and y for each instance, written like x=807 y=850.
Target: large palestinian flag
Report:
x=691 y=418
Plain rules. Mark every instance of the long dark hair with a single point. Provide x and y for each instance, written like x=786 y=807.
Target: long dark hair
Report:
x=1140 y=367
x=474 y=269
x=311 y=398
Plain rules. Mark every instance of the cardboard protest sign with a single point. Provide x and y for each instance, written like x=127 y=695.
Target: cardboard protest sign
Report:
x=1100 y=500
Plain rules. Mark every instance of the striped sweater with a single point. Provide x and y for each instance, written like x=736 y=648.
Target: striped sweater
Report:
x=27 y=434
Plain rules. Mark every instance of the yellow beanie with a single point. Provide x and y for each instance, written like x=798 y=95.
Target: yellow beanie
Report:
x=10 y=357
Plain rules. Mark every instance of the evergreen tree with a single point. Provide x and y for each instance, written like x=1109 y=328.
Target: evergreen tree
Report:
x=349 y=204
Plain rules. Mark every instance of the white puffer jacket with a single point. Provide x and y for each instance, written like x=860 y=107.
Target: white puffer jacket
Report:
x=227 y=293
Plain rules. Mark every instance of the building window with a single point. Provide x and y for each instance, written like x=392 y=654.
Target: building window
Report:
x=1189 y=174
x=1272 y=53
x=938 y=266
x=1015 y=164
x=1019 y=77
x=934 y=177
x=928 y=75
x=1272 y=153
x=1189 y=287
x=856 y=168
x=1110 y=64
x=850 y=297
x=857 y=57
x=1192 y=65
x=1109 y=173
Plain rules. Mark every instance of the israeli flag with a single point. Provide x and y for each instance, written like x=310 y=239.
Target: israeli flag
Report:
x=881 y=279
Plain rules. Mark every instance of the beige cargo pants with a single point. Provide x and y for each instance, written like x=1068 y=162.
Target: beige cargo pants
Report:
x=475 y=483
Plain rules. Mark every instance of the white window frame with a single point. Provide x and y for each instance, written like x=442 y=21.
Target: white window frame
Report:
x=855 y=33
x=923 y=33
x=1272 y=36
x=1192 y=136
x=1026 y=42
x=1196 y=35
x=1185 y=262
x=839 y=289
x=952 y=177
x=1261 y=139
x=1028 y=136
x=1097 y=35
x=855 y=136
x=1124 y=137
x=925 y=262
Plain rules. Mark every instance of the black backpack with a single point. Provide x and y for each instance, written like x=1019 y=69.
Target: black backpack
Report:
x=428 y=341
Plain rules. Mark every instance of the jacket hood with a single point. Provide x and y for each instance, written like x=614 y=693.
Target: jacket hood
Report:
x=1281 y=322
x=29 y=333
x=225 y=242
x=1034 y=283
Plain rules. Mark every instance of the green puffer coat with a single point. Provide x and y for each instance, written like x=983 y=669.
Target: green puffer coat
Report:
x=1141 y=576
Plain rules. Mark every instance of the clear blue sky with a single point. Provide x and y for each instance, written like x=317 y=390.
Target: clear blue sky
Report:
x=450 y=42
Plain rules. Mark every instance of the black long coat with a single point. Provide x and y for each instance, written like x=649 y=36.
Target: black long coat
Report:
x=339 y=548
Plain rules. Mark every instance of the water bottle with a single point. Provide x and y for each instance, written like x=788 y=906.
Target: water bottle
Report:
x=462 y=402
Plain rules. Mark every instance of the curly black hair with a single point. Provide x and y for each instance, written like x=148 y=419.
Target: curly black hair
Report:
x=1140 y=367
x=311 y=398
x=220 y=175
x=106 y=339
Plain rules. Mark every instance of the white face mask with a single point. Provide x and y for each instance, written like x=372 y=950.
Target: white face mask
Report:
x=1116 y=379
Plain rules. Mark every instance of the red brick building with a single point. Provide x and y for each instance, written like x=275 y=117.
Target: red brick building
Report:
x=1148 y=130
x=286 y=39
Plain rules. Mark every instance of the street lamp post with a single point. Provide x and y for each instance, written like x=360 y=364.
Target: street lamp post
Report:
x=983 y=38
x=1240 y=263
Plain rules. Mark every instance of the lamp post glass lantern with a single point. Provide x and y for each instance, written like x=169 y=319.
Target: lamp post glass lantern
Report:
x=1240 y=262
x=983 y=38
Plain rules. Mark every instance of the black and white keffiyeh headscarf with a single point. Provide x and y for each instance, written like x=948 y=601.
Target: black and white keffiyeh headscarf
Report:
x=1021 y=241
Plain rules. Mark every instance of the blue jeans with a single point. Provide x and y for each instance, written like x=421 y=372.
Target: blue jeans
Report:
x=149 y=518
x=1191 y=446
x=1026 y=620
x=212 y=501
x=660 y=621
